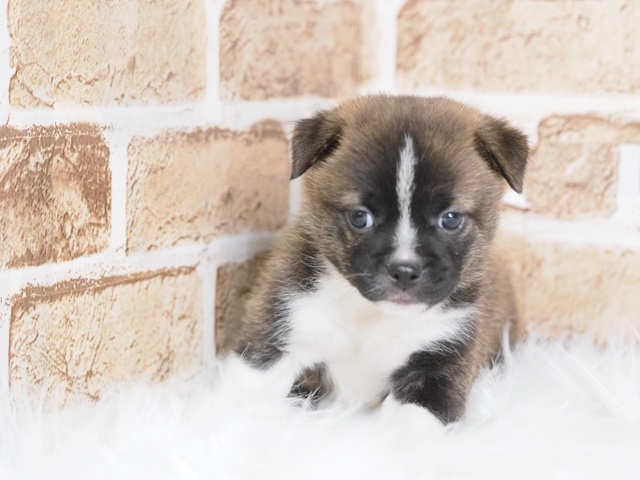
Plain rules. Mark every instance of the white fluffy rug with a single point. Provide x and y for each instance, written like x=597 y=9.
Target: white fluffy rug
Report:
x=556 y=410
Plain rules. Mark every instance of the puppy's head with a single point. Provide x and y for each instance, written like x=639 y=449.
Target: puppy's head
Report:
x=402 y=194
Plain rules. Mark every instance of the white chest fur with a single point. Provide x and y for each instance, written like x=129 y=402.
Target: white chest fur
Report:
x=360 y=344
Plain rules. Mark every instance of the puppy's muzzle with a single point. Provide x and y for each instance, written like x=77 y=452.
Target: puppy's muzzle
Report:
x=404 y=275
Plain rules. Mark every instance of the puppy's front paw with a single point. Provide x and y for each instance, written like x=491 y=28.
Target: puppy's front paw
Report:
x=409 y=419
x=236 y=375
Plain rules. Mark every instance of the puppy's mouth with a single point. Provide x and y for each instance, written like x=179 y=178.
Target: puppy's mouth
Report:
x=409 y=306
x=398 y=301
x=419 y=297
x=411 y=301
x=402 y=298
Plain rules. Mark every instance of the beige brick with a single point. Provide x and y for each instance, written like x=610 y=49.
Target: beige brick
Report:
x=573 y=46
x=574 y=169
x=289 y=48
x=588 y=129
x=76 y=339
x=573 y=181
x=98 y=53
x=566 y=289
x=370 y=38
x=233 y=284
x=55 y=194
x=194 y=186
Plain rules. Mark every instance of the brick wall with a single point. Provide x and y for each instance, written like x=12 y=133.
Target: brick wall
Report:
x=143 y=160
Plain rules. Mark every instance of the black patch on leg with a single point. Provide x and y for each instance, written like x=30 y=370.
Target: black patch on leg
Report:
x=313 y=384
x=431 y=379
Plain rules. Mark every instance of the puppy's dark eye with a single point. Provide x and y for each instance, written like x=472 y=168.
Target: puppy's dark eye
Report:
x=451 y=220
x=360 y=219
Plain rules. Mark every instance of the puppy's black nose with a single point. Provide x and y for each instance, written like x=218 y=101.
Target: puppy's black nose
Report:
x=404 y=274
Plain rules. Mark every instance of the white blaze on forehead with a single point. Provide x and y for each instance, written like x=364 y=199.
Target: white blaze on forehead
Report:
x=405 y=237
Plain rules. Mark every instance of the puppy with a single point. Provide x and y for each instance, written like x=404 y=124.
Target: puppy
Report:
x=387 y=285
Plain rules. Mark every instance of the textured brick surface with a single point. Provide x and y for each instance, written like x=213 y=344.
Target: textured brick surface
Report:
x=588 y=129
x=564 y=288
x=369 y=38
x=574 y=169
x=574 y=46
x=233 y=285
x=289 y=48
x=95 y=53
x=194 y=186
x=77 y=338
x=573 y=180
x=55 y=194
x=512 y=248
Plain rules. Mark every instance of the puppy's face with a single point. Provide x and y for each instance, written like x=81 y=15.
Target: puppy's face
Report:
x=402 y=194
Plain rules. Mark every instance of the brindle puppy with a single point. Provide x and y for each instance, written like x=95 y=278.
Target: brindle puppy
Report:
x=387 y=284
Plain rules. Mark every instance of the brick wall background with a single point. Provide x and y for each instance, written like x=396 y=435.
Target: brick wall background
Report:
x=143 y=160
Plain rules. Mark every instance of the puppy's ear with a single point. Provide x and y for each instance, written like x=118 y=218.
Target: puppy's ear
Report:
x=314 y=139
x=505 y=149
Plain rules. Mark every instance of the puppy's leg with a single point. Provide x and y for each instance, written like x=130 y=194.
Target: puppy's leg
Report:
x=413 y=421
x=313 y=385
x=274 y=380
x=259 y=358
x=437 y=380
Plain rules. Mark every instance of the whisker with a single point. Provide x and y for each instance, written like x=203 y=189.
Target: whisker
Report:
x=355 y=275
